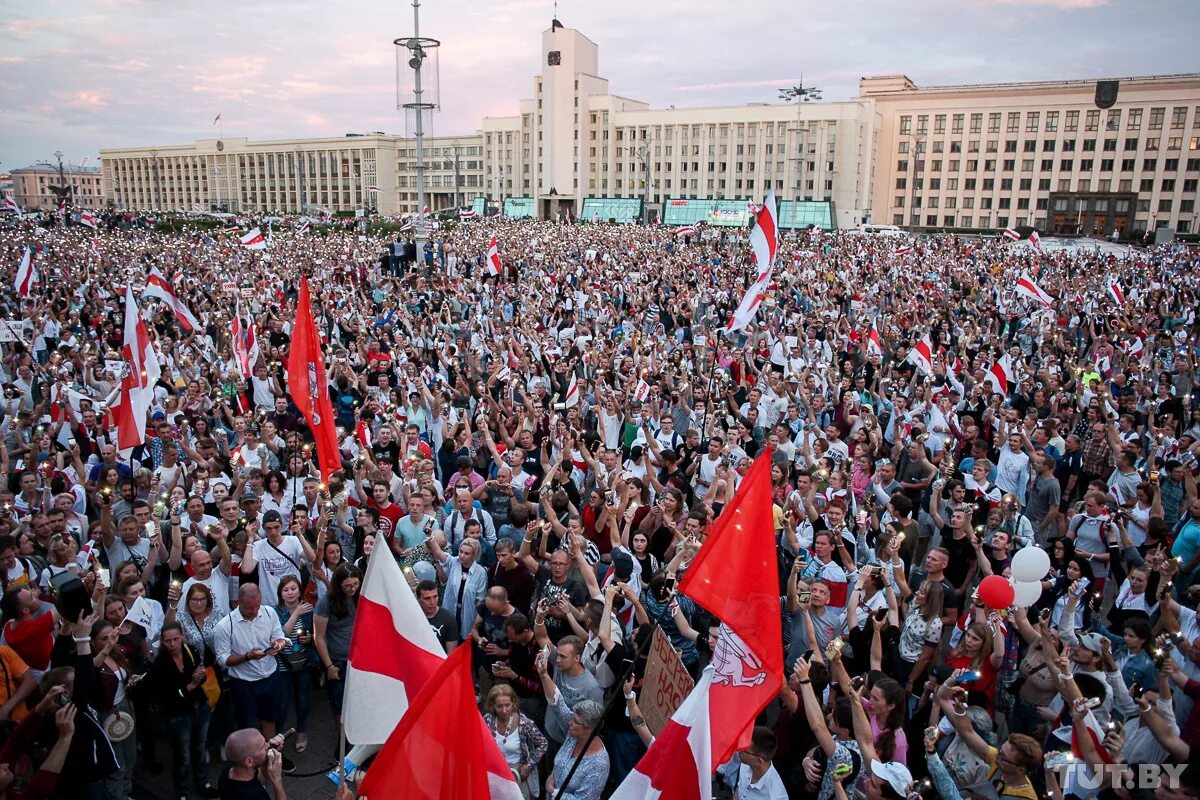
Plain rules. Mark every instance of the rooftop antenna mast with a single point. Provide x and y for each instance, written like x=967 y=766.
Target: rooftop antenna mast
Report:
x=417 y=94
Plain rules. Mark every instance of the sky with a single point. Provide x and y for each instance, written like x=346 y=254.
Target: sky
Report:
x=81 y=75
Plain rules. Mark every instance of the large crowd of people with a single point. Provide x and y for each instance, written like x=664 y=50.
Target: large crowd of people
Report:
x=544 y=452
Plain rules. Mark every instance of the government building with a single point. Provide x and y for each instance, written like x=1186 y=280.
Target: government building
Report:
x=1077 y=156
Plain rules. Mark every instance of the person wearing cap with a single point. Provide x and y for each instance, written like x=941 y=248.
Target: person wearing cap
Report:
x=886 y=780
x=270 y=559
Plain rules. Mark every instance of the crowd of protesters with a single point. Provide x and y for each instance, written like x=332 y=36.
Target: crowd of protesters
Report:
x=545 y=450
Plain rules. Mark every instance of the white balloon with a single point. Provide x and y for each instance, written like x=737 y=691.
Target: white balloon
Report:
x=1030 y=564
x=1026 y=593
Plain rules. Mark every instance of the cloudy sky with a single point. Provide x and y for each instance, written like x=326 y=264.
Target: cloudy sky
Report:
x=80 y=75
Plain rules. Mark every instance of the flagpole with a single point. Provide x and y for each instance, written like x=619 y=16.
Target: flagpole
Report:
x=341 y=767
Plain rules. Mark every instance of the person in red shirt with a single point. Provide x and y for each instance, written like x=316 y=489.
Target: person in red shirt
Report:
x=389 y=512
x=29 y=626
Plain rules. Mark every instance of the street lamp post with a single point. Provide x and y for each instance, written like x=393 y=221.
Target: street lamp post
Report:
x=800 y=94
x=457 y=148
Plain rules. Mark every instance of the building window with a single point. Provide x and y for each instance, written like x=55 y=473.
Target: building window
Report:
x=1134 y=123
x=939 y=124
x=1131 y=144
x=1048 y=146
x=1152 y=143
x=994 y=122
x=1164 y=205
x=1014 y=121
x=1178 y=117
x=905 y=125
x=1031 y=121
x=957 y=126
x=1092 y=121
x=1068 y=145
x=1051 y=121
x=1156 y=118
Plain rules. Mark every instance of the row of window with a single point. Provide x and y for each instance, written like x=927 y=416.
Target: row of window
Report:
x=1152 y=143
x=1155 y=120
x=1046 y=165
x=1164 y=206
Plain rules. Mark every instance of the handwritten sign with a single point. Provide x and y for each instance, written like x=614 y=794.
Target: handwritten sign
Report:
x=665 y=685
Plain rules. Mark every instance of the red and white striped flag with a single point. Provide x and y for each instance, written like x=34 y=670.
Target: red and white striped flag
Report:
x=95 y=248
x=1009 y=233
x=1026 y=287
x=874 y=347
x=87 y=555
x=11 y=205
x=158 y=286
x=1000 y=377
x=372 y=188
x=304 y=227
x=466 y=213
x=902 y=250
x=89 y=219
x=1114 y=291
x=764 y=239
x=362 y=432
x=1036 y=241
x=245 y=343
x=1134 y=349
x=922 y=355
x=199 y=209
x=572 y=398
x=686 y=230
x=493 y=257
x=137 y=387
x=27 y=274
x=254 y=240
x=752 y=207
x=753 y=298
x=679 y=763
x=641 y=392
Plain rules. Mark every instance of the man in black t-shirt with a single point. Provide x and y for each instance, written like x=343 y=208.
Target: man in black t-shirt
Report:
x=935 y=570
x=252 y=760
x=443 y=623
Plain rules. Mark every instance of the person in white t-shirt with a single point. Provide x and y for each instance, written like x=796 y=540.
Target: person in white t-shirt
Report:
x=275 y=556
x=213 y=573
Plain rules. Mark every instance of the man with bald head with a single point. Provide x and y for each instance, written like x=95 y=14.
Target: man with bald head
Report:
x=212 y=569
x=246 y=643
x=253 y=761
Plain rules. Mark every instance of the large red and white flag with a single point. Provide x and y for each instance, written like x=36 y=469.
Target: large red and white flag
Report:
x=27 y=274
x=744 y=313
x=1035 y=240
x=764 y=239
x=686 y=230
x=137 y=386
x=158 y=286
x=245 y=343
x=442 y=747
x=89 y=219
x=1027 y=287
x=1133 y=349
x=1011 y=234
x=11 y=205
x=493 y=257
x=921 y=355
x=874 y=347
x=734 y=577
x=1000 y=377
x=679 y=764
x=1114 y=291
x=393 y=653
x=254 y=240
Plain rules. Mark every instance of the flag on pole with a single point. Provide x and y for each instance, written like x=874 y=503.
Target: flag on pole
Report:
x=245 y=343
x=442 y=747
x=493 y=257
x=1011 y=234
x=89 y=219
x=254 y=240
x=304 y=227
x=199 y=209
x=764 y=239
x=137 y=386
x=874 y=347
x=1114 y=291
x=572 y=398
x=158 y=286
x=1027 y=287
x=372 y=188
x=734 y=577
x=1102 y=366
x=1000 y=377
x=744 y=313
x=27 y=274
x=902 y=250
x=466 y=213
x=1035 y=240
x=307 y=385
x=686 y=230
x=679 y=763
x=921 y=355
x=393 y=653
x=641 y=392
x=1133 y=350
x=11 y=205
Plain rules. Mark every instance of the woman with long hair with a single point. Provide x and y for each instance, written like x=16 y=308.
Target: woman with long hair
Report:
x=116 y=679
x=333 y=625
x=178 y=674
x=197 y=616
x=520 y=741
x=297 y=660
x=920 y=635
x=275 y=495
x=980 y=650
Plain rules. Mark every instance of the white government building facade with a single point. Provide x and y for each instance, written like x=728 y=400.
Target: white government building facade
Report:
x=949 y=157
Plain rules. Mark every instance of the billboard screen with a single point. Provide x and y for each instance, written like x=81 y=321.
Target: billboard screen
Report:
x=479 y=206
x=725 y=213
x=603 y=209
x=520 y=207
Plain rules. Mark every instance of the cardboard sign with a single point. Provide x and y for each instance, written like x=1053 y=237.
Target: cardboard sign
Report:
x=13 y=331
x=665 y=685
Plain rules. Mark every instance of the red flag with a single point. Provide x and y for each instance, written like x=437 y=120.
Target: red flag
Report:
x=734 y=577
x=307 y=385
x=442 y=748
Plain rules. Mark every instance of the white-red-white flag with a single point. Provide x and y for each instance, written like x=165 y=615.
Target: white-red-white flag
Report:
x=158 y=286
x=921 y=355
x=254 y=240
x=493 y=257
x=393 y=652
x=1000 y=377
x=89 y=219
x=678 y=765
x=1134 y=349
x=11 y=205
x=572 y=398
x=1035 y=240
x=466 y=213
x=1114 y=291
x=137 y=386
x=27 y=274
x=245 y=343
x=641 y=392
x=874 y=346
x=686 y=230
x=764 y=239
x=902 y=250
x=753 y=298
x=1011 y=234
x=1027 y=287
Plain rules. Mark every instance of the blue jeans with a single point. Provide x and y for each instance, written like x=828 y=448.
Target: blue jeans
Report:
x=625 y=748
x=299 y=689
x=189 y=750
x=337 y=689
